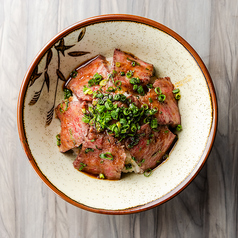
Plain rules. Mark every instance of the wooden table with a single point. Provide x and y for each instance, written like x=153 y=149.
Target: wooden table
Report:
x=208 y=207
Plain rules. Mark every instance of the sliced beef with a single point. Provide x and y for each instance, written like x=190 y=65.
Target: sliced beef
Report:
x=102 y=153
x=124 y=63
x=85 y=72
x=73 y=130
x=168 y=111
x=150 y=146
x=89 y=159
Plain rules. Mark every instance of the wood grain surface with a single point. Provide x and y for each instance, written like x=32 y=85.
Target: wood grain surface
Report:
x=206 y=208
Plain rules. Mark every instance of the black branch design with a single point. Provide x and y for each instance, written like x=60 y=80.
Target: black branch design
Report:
x=60 y=47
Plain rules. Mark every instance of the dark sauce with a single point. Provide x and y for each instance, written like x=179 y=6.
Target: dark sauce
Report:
x=83 y=64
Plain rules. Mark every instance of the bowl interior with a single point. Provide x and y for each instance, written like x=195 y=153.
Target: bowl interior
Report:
x=42 y=91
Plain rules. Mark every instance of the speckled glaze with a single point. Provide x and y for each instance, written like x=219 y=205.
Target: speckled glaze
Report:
x=172 y=57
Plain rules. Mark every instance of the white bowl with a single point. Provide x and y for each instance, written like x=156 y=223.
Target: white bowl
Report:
x=171 y=56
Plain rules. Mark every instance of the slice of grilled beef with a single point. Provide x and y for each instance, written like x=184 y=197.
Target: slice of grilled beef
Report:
x=89 y=159
x=85 y=72
x=126 y=66
x=149 y=147
x=73 y=130
x=168 y=111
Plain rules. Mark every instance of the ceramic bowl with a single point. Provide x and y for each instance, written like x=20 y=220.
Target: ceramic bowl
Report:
x=171 y=56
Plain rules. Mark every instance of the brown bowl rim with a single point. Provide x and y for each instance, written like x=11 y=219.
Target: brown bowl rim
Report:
x=108 y=18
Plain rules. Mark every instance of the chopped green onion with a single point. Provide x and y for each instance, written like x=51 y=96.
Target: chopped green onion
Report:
x=62 y=109
x=134 y=80
x=99 y=95
x=122 y=73
x=154 y=123
x=133 y=62
x=149 y=85
x=178 y=128
x=74 y=74
x=158 y=90
x=103 y=82
x=117 y=97
x=133 y=158
x=133 y=127
x=67 y=93
x=126 y=111
x=118 y=64
x=97 y=147
x=88 y=150
x=175 y=91
x=123 y=98
x=106 y=155
x=140 y=163
x=111 y=89
x=153 y=111
x=140 y=90
x=177 y=96
x=161 y=97
x=101 y=176
x=82 y=166
x=134 y=141
x=109 y=105
x=118 y=83
x=145 y=106
x=135 y=87
x=147 y=172
x=129 y=74
x=58 y=140
x=150 y=100
x=85 y=119
x=87 y=90
x=123 y=121
x=97 y=78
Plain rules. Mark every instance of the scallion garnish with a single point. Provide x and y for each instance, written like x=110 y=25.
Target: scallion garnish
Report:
x=161 y=97
x=150 y=100
x=177 y=96
x=88 y=150
x=118 y=64
x=149 y=85
x=129 y=74
x=106 y=155
x=103 y=82
x=58 y=139
x=135 y=80
x=140 y=90
x=111 y=89
x=73 y=74
x=67 y=93
x=178 y=128
x=118 y=83
x=176 y=90
x=135 y=87
x=82 y=166
x=158 y=90
x=97 y=78
x=154 y=123
x=87 y=90
x=119 y=121
x=147 y=172
x=101 y=176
